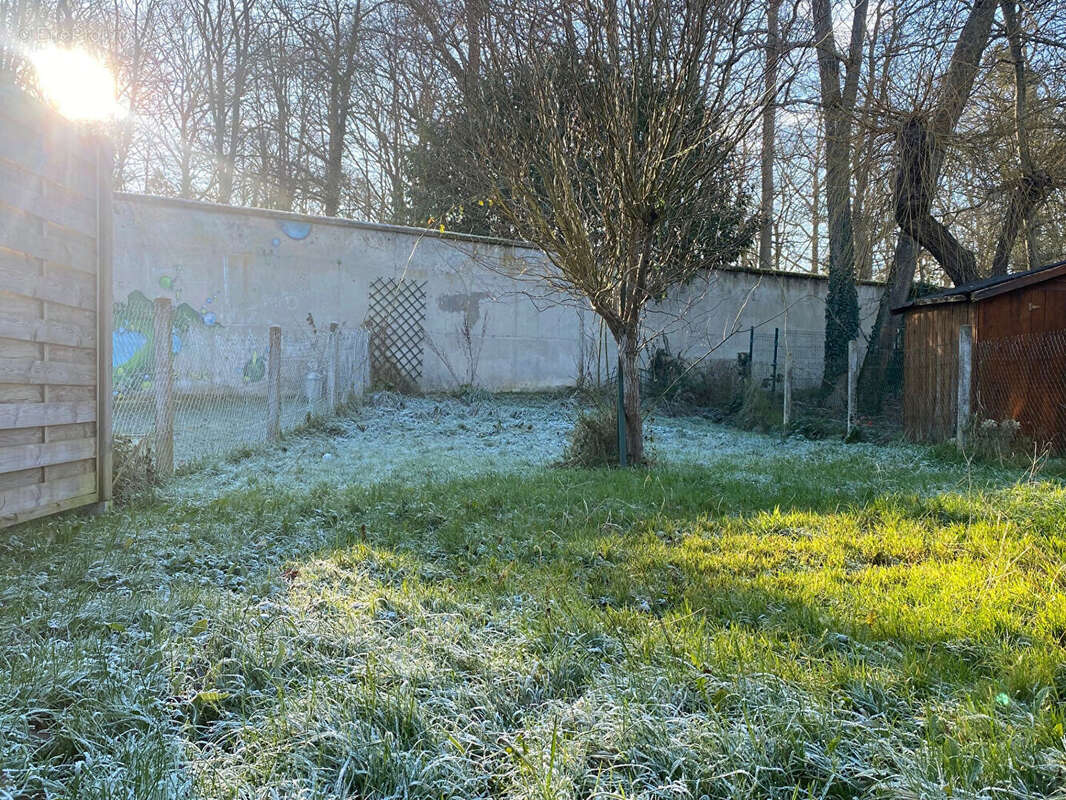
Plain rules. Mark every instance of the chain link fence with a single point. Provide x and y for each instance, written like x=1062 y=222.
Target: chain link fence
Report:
x=1019 y=391
x=757 y=358
x=218 y=391
x=767 y=378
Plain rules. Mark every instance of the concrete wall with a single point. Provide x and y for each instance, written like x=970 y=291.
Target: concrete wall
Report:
x=248 y=268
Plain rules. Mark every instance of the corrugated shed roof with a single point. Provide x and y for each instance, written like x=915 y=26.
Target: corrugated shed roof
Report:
x=986 y=287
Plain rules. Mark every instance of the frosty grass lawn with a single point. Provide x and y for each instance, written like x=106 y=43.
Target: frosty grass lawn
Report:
x=425 y=608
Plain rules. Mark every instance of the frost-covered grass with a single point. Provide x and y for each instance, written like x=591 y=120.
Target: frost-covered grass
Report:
x=414 y=440
x=749 y=618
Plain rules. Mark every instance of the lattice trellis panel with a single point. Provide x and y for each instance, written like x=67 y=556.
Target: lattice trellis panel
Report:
x=396 y=320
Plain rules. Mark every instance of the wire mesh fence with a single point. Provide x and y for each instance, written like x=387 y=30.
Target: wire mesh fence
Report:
x=305 y=377
x=1019 y=390
x=768 y=378
x=995 y=396
x=757 y=357
x=213 y=388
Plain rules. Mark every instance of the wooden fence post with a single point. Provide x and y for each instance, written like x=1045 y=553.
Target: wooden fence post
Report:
x=331 y=374
x=105 y=226
x=965 y=389
x=786 y=410
x=853 y=381
x=274 y=385
x=164 y=386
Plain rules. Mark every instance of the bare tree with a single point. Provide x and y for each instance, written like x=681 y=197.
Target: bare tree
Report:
x=921 y=148
x=225 y=28
x=333 y=34
x=769 y=128
x=839 y=93
x=180 y=101
x=608 y=141
x=1035 y=183
x=283 y=92
x=133 y=32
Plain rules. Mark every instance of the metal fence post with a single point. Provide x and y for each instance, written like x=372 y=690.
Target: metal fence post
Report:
x=164 y=385
x=274 y=385
x=773 y=368
x=786 y=410
x=965 y=388
x=331 y=373
x=853 y=381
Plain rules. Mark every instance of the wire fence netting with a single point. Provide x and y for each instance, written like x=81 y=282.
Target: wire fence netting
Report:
x=757 y=358
x=745 y=379
x=220 y=383
x=1019 y=388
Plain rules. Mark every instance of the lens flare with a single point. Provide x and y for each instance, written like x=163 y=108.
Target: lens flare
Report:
x=76 y=83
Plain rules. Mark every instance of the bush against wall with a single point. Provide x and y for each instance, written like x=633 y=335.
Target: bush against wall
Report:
x=674 y=384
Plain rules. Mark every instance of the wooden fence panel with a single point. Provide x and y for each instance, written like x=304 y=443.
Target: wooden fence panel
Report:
x=931 y=370
x=55 y=312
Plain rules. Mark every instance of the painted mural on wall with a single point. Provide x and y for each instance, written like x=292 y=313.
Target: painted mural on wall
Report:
x=232 y=358
x=170 y=282
x=204 y=352
x=133 y=339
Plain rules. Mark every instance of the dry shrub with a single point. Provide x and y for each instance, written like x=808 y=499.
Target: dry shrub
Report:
x=134 y=470
x=1001 y=442
x=594 y=439
x=674 y=384
x=758 y=411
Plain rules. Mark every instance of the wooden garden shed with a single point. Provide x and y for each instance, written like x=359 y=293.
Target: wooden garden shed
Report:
x=1017 y=356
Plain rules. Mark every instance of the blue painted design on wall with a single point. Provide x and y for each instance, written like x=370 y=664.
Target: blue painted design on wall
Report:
x=124 y=345
x=132 y=339
x=296 y=230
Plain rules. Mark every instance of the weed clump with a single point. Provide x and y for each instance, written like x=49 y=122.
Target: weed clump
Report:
x=997 y=442
x=594 y=439
x=470 y=395
x=758 y=411
x=818 y=423
x=134 y=469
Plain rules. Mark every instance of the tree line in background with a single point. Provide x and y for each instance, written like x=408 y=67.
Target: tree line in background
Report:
x=898 y=140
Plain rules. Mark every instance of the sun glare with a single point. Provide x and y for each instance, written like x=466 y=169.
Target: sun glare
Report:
x=76 y=83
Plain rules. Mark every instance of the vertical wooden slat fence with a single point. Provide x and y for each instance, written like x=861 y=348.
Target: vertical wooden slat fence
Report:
x=931 y=371
x=55 y=302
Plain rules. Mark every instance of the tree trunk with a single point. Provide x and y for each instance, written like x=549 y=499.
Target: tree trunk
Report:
x=331 y=194
x=1035 y=185
x=921 y=149
x=886 y=326
x=842 y=302
x=1032 y=241
x=921 y=156
x=337 y=112
x=769 y=125
x=1028 y=195
x=838 y=105
x=816 y=207
x=628 y=348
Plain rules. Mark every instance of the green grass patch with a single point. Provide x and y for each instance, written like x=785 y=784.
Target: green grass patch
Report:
x=776 y=627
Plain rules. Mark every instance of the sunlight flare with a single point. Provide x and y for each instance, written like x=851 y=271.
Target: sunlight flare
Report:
x=76 y=83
